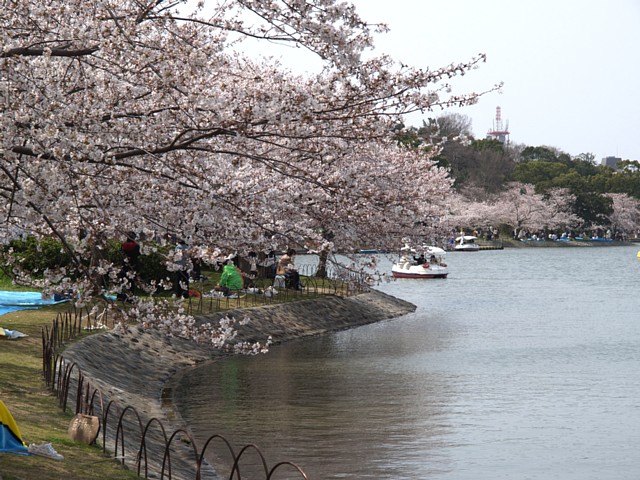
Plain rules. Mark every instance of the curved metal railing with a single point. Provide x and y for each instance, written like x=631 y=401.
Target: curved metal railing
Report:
x=135 y=441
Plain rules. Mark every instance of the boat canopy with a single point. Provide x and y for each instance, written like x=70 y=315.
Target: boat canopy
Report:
x=435 y=251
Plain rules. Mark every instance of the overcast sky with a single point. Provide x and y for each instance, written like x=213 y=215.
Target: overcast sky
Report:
x=571 y=68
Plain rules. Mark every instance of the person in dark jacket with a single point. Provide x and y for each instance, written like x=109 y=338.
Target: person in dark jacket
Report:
x=131 y=253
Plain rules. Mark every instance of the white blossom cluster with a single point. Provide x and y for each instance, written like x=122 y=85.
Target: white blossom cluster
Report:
x=519 y=205
x=170 y=319
x=626 y=212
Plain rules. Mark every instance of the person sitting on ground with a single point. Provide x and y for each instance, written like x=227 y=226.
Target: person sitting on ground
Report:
x=230 y=281
x=284 y=261
x=281 y=268
x=292 y=277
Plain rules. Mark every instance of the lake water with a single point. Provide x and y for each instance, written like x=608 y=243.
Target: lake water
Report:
x=523 y=364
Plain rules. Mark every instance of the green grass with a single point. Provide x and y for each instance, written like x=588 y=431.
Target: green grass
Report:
x=37 y=412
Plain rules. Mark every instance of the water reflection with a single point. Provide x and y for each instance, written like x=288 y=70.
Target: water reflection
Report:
x=522 y=364
x=350 y=413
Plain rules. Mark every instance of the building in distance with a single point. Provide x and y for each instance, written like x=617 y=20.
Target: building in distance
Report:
x=611 y=162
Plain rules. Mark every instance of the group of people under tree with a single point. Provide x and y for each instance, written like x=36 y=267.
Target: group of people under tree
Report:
x=282 y=272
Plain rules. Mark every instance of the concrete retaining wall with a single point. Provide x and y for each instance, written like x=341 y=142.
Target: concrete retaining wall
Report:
x=135 y=368
x=132 y=367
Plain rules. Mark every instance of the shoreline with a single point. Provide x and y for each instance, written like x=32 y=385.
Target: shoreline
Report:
x=142 y=368
x=511 y=243
x=157 y=357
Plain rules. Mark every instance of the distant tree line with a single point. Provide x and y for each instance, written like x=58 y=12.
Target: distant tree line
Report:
x=481 y=168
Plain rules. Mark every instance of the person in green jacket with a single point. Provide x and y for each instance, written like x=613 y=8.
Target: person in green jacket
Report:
x=231 y=279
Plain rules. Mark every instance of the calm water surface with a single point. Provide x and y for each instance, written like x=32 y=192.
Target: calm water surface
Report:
x=523 y=364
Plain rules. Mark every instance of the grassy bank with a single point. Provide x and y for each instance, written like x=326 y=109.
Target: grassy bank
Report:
x=37 y=412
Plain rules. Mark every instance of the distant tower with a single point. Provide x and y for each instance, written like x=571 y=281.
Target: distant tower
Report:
x=499 y=132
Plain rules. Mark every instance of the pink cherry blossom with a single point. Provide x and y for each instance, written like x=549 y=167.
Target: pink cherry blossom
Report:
x=122 y=115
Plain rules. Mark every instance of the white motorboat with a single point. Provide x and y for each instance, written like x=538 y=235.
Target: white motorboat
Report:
x=466 y=243
x=428 y=264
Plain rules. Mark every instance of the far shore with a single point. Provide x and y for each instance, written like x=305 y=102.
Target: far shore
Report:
x=511 y=243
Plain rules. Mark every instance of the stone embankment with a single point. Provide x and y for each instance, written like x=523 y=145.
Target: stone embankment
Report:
x=134 y=368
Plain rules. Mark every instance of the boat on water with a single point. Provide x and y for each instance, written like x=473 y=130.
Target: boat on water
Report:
x=428 y=262
x=370 y=251
x=466 y=243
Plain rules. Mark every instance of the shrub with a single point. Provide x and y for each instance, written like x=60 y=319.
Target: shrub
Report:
x=35 y=256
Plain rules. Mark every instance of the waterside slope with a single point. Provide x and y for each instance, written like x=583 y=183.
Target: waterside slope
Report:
x=134 y=368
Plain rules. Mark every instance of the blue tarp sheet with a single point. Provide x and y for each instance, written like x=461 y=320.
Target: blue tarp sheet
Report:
x=12 y=301
x=29 y=299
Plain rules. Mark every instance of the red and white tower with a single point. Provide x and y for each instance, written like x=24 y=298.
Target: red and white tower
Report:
x=499 y=132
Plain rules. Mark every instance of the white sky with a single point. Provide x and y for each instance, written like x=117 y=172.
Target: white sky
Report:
x=571 y=68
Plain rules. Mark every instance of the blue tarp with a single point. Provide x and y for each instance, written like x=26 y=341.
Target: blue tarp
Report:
x=27 y=299
x=12 y=301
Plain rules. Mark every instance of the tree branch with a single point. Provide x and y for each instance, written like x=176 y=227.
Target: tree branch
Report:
x=54 y=52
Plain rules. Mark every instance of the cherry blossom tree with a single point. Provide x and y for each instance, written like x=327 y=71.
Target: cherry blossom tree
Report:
x=122 y=115
x=519 y=206
x=626 y=213
x=397 y=197
x=463 y=211
x=560 y=213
